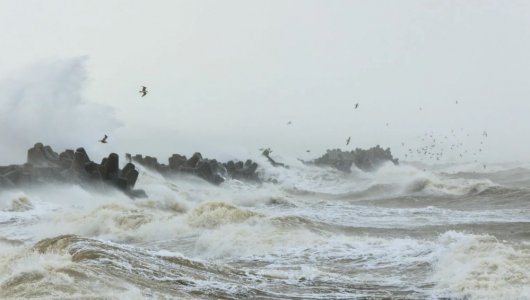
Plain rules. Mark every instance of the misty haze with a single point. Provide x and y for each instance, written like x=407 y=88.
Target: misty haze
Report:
x=264 y=149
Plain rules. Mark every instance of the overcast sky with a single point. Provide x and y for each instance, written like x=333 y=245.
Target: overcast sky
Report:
x=224 y=77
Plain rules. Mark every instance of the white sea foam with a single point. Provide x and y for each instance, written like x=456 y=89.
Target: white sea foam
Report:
x=481 y=267
x=302 y=232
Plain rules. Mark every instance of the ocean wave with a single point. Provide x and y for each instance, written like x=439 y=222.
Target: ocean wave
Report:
x=480 y=267
x=71 y=266
x=396 y=233
x=213 y=214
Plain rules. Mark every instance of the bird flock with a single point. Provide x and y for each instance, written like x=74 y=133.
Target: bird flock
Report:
x=456 y=144
x=436 y=147
x=428 y=146
x=452 y=145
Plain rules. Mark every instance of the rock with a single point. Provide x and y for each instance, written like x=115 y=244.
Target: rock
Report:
x=208 y=169
x=148 y=161
x=6 y=169
x=128 y=167
x=266 y=153
x=176 y=160
x=46 y=174
x=132 y=176
x=19 y=176
x=130 y=173
x=49 y=154
x=82 y=151
x=41 y=155
x=67 y=155
x=252 y=168
x=5 y=182
x=151 y=162
x=242 y=170
x=366 y=160
x=66 y=158
x=206 y=172
x=45 y=165
x=79 y=161
x=91 y=167
x=138 y=158
x=121 y=183
x=193 y=161
x=230 y=166
x=109 y=167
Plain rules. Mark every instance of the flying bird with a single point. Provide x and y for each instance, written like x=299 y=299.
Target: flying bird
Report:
x=348 y=141
x=289 y=123
x=104 y=139
x=143 y=91
x=356 y=105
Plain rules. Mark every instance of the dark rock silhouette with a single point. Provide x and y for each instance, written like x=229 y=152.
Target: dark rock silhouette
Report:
x=267 y=153
x=208 y=169
x=45 y=165
x=366 y=160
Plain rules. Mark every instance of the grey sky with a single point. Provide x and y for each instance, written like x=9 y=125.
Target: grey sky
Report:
x=226 y=76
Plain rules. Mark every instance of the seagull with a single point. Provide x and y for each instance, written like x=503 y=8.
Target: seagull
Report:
x=356 y=105
x=348 y=141
x=143 y=91
x=308 y=151
x=456 y=101
x=485 y=134
x=104 y=139
x=289 y=123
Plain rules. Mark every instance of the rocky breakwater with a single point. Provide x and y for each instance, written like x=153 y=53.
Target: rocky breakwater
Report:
x=366 y=160
x=46 y=166
x=208 y=169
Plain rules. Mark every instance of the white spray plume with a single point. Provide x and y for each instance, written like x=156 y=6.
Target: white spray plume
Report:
x=44 y=103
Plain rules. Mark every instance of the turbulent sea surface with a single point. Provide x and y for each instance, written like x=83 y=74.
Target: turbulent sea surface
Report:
x=458 y=232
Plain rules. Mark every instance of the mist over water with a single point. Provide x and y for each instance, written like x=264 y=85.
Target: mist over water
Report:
x=408 y=231
x=399 y=233
x=45 y=103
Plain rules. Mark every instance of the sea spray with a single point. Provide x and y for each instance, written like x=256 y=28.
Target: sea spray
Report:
x=44 y=102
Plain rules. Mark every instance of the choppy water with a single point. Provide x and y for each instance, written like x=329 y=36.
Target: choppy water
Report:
x=399 y=233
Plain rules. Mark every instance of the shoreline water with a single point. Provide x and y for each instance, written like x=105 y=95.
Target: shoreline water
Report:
x=398 y=232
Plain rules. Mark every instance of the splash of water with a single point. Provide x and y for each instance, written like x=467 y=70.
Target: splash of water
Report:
x=44 y=102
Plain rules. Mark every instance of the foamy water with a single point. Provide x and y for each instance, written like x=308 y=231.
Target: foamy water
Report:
x=398 y=233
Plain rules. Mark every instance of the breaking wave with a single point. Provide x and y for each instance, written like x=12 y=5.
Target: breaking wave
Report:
x=316 y=233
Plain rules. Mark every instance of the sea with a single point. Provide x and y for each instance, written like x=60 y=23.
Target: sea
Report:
x=457 y=231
